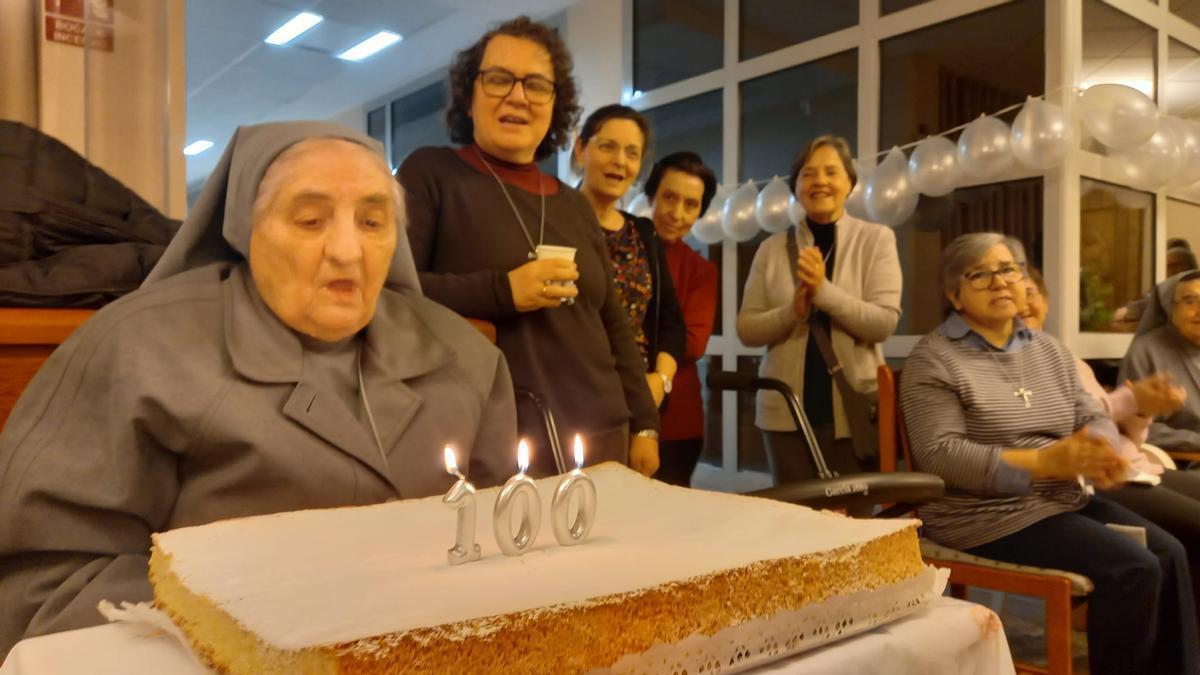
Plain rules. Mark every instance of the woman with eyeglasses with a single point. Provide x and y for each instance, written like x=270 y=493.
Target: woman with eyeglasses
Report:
x=998 y=412
x=481 y=217
x=611 y=145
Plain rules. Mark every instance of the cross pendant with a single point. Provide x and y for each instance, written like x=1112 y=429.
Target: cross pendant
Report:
x=532 y=255
x=1024 y=394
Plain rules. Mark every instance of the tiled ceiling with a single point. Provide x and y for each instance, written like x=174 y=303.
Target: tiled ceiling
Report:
x=234 y=78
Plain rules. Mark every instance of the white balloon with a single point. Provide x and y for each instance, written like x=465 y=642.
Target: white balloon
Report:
x=856 y=201
x=890 y=196
x=1118 y=116
x=771 y=208
x=739 y=222
x=1154 y=163
x=984 y=151
x=1187 y=136
x=707 y=229
x=640 y=206
x=933 y=167
x=795 y=210
x=1041 y=135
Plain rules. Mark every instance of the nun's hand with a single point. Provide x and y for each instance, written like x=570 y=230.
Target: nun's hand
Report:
x=532 y=288
x=1157 y=395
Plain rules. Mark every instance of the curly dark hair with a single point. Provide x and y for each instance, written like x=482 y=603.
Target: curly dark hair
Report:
x=465 y=69
x=687 y=162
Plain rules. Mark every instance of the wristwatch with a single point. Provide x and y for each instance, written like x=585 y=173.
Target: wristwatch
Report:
x=647 y=433
x=666 y=382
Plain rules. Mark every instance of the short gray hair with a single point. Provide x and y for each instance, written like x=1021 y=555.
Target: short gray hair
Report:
x=1017 y=248
x=964 y=253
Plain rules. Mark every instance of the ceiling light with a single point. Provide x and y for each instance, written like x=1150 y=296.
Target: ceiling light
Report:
x=376 y=42
x=197 y=147
x=294 y=28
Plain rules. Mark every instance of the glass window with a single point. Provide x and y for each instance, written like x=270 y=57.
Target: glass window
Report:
x=1188 y=10
x=713 y=411
x=1183 y=230
x=377 y=125
x=1182 y=89
x=1116 y=226
x=676 y=39
x=752 y=453
x=1013 y=208
x=1117 y=48
x=765 y=26
x=417 y=121
x=783 y=110
x=889 y=6
x=939 y=77
x=691 y=124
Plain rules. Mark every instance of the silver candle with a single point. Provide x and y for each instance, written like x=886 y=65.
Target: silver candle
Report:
x=519 y=488
x=567 y=532
x=461 y=498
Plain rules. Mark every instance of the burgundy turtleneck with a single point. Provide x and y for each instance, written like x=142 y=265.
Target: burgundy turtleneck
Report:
x=527 y=177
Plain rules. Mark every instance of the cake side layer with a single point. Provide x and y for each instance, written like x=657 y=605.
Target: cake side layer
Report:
x=327 y=577
x=567 y=639
x=581 y=638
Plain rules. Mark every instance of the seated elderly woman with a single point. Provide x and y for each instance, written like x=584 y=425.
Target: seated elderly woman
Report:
x=1168 y=341
x=997 y=411
x=261 y=368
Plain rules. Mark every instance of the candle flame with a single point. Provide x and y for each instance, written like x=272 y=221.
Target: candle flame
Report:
x=451 y=461
x=523 y=456
x=578 y=451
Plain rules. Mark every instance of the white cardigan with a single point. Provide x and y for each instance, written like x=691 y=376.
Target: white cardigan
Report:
x=862 y=300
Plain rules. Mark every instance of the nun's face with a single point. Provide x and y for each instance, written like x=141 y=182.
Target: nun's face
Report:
x=323 y=237
x=1185 y=315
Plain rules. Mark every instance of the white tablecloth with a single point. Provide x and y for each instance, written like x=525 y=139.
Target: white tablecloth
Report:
x=950 y=636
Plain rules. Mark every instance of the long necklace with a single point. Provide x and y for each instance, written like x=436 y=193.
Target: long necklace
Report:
x=512 y=205
x=1020 y=392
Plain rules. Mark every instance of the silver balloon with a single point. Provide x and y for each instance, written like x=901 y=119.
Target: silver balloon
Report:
x=934 y=168
x=739 y=221
x=856 y=201
x=1154 y=163
x=984 y=151
x=771 y=208
x=1187 y=136
x=890 y=195
x=707 y=229
x=1118 y=116
x=1041 y=135
x=640 y=206
x=795 y=210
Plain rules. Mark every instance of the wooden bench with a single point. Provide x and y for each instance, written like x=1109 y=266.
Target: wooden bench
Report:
x=27 y=338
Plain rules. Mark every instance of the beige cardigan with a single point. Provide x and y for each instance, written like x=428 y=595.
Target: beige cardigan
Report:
x=862 y=300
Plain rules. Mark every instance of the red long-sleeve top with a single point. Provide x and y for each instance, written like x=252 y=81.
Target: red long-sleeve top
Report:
x=696 y=287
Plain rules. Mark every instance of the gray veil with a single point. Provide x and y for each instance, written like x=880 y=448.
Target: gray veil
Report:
x=217 y=228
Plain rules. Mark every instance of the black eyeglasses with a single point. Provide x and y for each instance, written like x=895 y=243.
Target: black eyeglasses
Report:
x=983 y=279
x=499 y=82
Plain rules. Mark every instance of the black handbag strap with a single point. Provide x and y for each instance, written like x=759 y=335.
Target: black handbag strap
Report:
x=854 y=403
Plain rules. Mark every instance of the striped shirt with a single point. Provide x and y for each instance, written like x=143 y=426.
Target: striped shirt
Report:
x=961 y=403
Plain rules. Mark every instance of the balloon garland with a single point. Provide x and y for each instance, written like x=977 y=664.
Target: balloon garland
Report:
x=1153 y=150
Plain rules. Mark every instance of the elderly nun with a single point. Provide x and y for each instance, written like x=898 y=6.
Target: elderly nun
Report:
x=1168 y=341
x=279 y=357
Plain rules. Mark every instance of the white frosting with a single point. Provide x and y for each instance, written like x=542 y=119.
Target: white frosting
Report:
x=321 y=577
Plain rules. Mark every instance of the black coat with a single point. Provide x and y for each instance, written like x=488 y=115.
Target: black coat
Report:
x=70 y=234
x=664 y=327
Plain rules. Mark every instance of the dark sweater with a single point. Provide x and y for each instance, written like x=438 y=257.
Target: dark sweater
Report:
x=818 y=383
x=580 y=359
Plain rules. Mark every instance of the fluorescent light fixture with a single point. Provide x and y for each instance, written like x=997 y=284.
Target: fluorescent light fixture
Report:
x=293 y=28
x=381 y=40
x=196 y=147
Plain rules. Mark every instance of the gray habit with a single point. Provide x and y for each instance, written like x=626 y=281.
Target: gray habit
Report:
x=1160 y=348
x=189 y=401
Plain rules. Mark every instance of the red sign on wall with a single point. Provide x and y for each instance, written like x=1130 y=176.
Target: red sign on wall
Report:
x=80 y=23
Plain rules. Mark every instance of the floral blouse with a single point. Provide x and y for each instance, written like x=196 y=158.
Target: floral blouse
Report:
x=631 y=276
